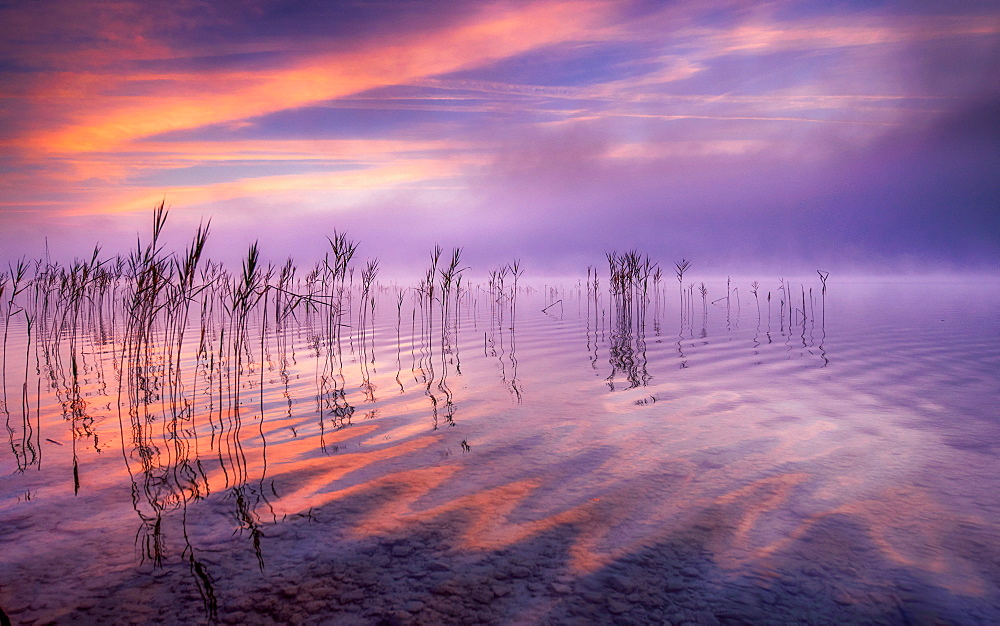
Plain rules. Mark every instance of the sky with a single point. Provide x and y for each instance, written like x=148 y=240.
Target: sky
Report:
x=774 y=135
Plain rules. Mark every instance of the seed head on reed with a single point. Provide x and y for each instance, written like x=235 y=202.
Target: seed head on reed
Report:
x=452 y=272
x=682 y=266
x=343 y=250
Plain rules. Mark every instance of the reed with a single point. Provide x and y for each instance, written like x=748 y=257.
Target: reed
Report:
x=334 y=280
x=629 y=282
x=24 y=450
x=783 y=288
x=681 y=267
x=365 y=315
x=173 y=305
x=14 y=283
x=822 y=277
x=754 y=286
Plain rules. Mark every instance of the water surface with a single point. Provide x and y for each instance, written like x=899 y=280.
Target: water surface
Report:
x=605 y=459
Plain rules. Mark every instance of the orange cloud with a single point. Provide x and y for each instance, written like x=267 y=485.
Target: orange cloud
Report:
x=106 y=120
x=386 y=168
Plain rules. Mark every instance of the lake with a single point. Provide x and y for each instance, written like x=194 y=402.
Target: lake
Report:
x=501 y=452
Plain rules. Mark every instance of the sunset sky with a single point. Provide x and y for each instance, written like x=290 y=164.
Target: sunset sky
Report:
x=841 y=135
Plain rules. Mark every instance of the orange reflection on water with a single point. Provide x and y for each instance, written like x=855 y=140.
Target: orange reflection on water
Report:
x=906 y=526
x=487 y=515
x=747 y=505
x=316 y=477
x=912 y=529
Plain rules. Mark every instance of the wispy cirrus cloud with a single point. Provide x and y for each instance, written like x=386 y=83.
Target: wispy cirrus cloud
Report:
x=98 y=116
x=516 y=117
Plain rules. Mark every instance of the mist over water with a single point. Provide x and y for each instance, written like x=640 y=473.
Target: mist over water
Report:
x=319 y=446
x=799 y=426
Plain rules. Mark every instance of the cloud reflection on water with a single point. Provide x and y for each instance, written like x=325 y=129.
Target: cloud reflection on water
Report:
x=770 y=462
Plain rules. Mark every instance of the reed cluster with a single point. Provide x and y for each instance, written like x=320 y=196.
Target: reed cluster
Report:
x=190 y=345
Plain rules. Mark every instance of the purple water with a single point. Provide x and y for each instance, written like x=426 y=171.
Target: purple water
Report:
x=592 y=463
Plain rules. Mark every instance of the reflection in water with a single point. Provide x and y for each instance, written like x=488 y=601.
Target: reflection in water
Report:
x=500 y=340
x=629 y=283
x=822 y=317
x=439 y=296
x=22 y=436
x=765 y=479
x=593 y=316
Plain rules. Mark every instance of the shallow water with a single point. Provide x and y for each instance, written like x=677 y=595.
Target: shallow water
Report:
x=496 y=463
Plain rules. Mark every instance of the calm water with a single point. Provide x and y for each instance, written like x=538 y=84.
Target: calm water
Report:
x=602 y=461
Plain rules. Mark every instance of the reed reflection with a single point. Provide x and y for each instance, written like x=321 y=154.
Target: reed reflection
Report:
x=159 y=409
x=634 y=293
x=685 y=308
x=425 y=364
x=330 y=281
x=501 y=338
x=594 y=312
x=72 y=296
x=201 y=367
x=450 y=296
x=822 y=312
x=26 y=450
x=400 y=296
x=629 y=281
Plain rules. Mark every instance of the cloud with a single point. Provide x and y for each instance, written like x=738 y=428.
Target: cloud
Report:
x=542 y=130
x=98 y=118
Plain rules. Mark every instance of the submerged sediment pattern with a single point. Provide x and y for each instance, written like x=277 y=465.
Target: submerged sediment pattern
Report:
x=266 y=447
